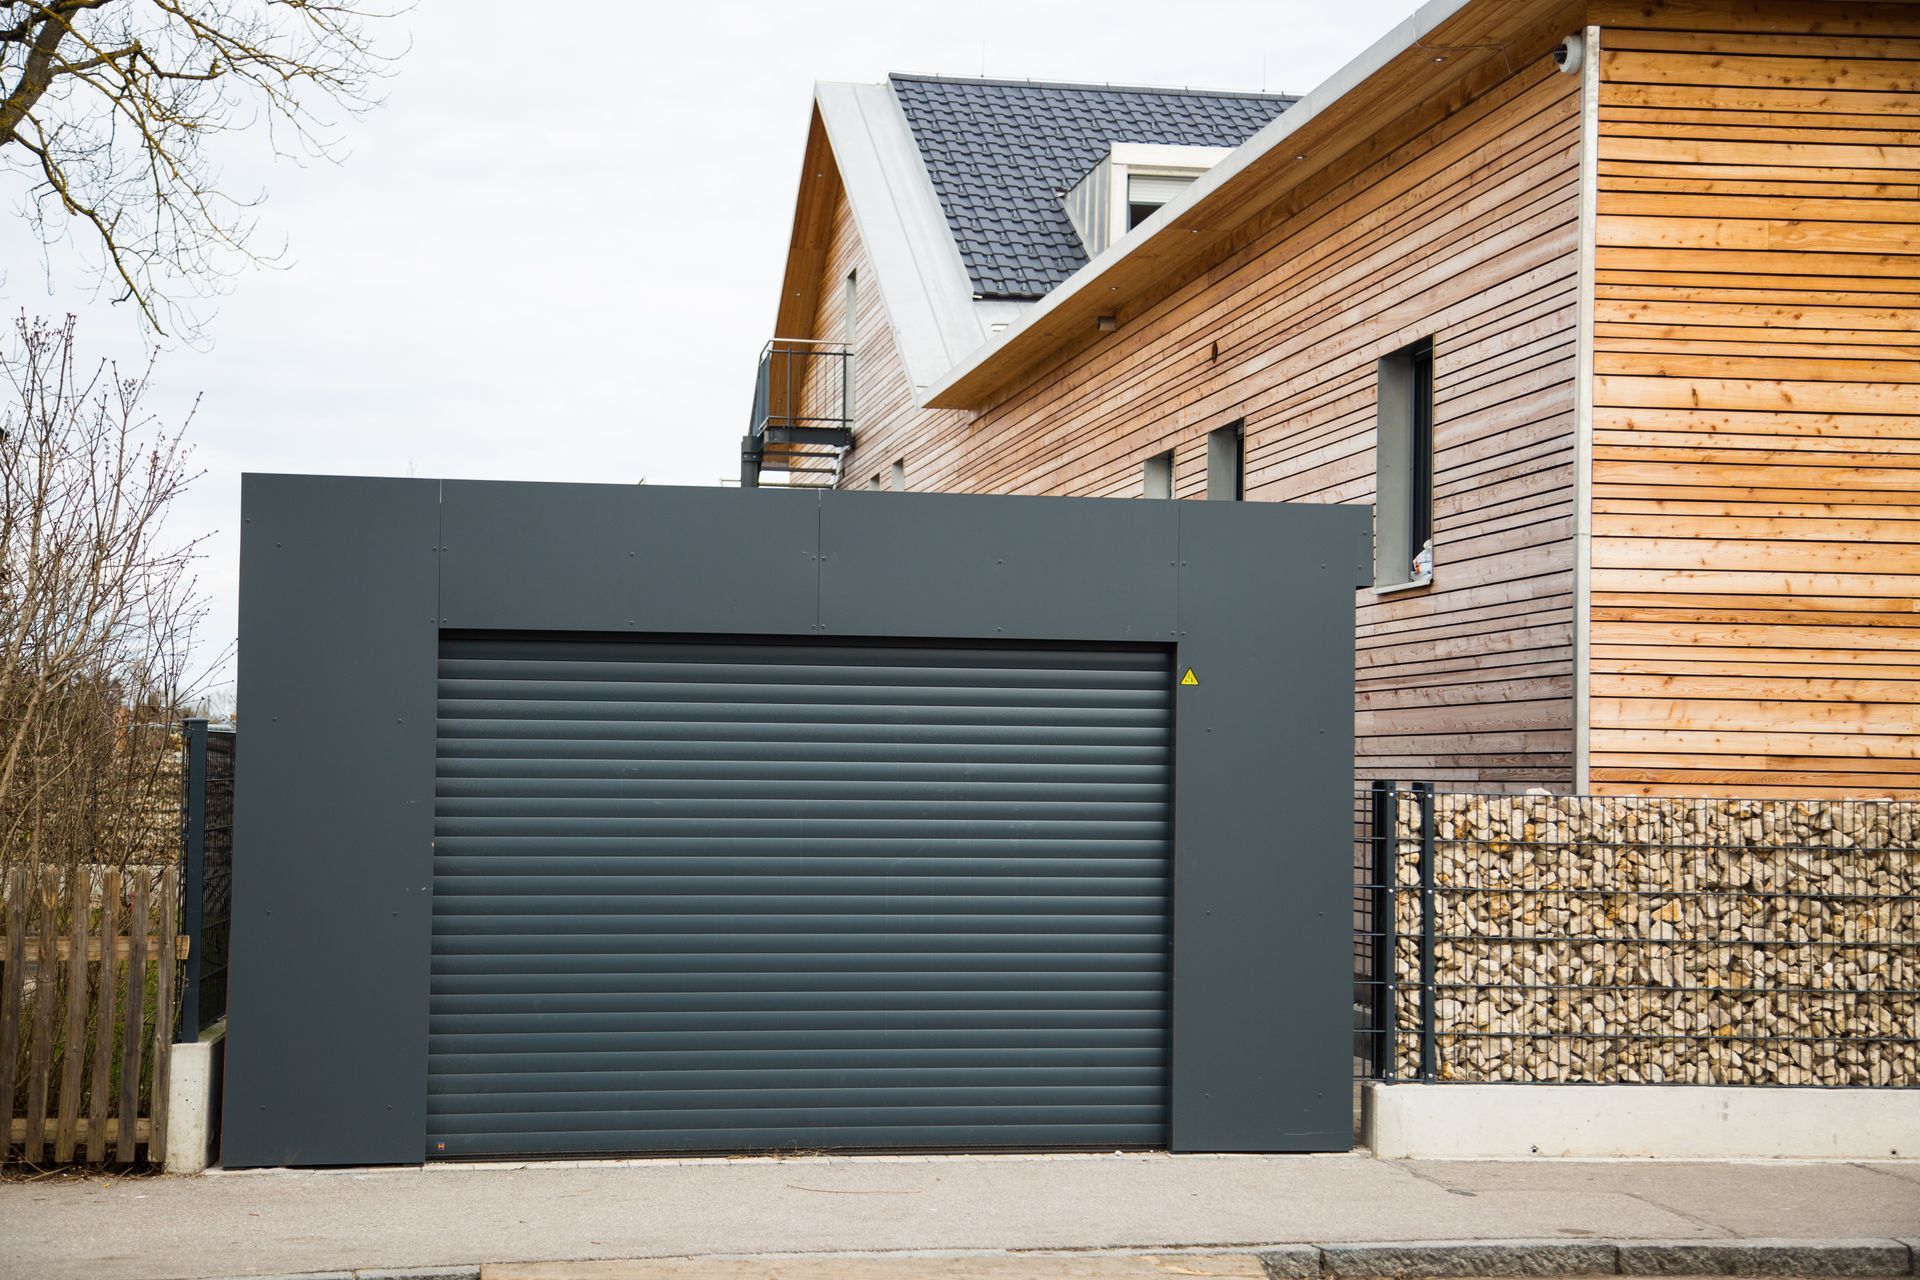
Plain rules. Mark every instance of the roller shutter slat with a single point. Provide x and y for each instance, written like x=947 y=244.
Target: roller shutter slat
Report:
x=789 y=1077
x=730 y=896
x=569 y=757
x=1055 y=1061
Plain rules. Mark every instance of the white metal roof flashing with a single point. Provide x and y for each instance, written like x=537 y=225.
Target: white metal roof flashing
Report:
x=923 y=283
x=1404 y=36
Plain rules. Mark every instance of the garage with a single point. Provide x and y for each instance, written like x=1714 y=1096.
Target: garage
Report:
x=717 y=896
x=628 y=820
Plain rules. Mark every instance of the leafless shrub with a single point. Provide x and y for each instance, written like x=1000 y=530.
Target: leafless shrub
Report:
x=97 y=609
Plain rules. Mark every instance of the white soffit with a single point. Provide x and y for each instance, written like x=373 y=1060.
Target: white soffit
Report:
x=929 y=298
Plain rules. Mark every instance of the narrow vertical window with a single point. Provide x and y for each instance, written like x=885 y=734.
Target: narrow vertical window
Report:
x=899 y=475
x=1156 y=476
x=876 y=482
x=1227 y=462
x=1403 y=453
x=1420 y=510
x=849 y=335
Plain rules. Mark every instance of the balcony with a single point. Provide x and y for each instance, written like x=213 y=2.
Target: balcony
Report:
x=802 y=414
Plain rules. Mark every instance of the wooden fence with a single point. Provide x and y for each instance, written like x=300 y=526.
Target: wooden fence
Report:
x=89 y=978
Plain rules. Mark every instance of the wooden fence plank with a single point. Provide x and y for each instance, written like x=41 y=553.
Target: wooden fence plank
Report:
x=136 y=1002
x=165 y=963
x=104 y=1021
x=45 y=982
x=73 y=1046
x=63 y=950
x=109 y=1132
x=80 y=1001
x=11 y=983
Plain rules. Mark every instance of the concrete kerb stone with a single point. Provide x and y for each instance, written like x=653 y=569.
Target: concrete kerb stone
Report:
x=1471 y=1258
x=1766 y=1258
x=1290 y=1262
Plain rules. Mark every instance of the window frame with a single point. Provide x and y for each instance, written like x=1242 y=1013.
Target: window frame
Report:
x=1227 y=450
x=1156 y=472
x=1403 y=468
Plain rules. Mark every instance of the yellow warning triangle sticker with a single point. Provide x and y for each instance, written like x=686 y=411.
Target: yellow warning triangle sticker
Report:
x=1189 y=678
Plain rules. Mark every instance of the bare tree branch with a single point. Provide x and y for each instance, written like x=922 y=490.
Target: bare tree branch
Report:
x=107 y=107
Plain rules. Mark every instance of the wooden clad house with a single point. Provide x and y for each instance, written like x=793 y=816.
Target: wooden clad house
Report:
x=1611 y=309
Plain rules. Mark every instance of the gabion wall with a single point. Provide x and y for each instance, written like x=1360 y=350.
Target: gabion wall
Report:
x=1637 y=940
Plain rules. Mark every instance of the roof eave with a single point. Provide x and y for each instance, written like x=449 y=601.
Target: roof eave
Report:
x=1252 y=176
x=806 y=247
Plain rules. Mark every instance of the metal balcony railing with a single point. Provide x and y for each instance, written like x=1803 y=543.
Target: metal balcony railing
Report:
x=802 y=420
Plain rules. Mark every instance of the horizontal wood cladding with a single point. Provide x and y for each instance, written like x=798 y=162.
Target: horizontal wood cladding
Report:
x=1464 y=230
x=1756 y=445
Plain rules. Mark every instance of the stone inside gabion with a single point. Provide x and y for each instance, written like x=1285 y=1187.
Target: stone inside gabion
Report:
x=1636 y=940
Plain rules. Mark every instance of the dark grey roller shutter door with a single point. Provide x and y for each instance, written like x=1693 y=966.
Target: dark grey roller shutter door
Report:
x=735 y=896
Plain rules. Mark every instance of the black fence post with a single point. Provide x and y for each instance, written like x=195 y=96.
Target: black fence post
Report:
x=1427 y=1047
x=1386 y=1005
x=193 y=863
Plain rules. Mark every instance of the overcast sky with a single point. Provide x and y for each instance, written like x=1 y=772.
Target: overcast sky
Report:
x=560 y=262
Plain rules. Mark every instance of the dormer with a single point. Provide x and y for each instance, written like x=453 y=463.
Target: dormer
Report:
x=1129 y=184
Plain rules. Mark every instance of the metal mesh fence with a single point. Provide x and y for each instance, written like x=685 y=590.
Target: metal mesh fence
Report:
x=1637 y=939
x=206 y=840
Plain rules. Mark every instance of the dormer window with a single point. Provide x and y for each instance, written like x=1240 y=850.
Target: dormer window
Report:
x=1129 y=185
x=1146 y=192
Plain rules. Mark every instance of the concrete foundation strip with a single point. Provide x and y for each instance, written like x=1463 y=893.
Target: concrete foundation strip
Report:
x=1388 y=1260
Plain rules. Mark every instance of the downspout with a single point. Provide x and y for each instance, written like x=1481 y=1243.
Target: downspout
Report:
x=1583 y=413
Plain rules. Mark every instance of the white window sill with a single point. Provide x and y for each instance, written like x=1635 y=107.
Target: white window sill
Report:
x=1425 y=580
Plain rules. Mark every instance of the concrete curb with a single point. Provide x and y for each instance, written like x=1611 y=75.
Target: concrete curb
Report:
x=1471 y=1258
x=1397 y=1260
x=1290 y=1262
x=1626 y=1258
x=1766 y=1258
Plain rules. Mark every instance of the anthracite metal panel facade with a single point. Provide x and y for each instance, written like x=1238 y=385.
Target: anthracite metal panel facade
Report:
x=707 y=895
x=347 y=586
x=333 y=822
x=1263 y=801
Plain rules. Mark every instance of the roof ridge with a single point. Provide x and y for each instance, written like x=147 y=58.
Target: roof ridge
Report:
x=1093 y=87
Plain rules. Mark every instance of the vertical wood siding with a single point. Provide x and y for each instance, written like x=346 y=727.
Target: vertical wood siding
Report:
x=1466 y=232
x=1756 y=511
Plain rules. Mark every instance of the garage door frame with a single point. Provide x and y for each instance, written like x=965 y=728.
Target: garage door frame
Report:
x=346 y=584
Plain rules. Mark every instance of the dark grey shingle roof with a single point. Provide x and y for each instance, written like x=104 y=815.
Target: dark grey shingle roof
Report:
x=1000 y=152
